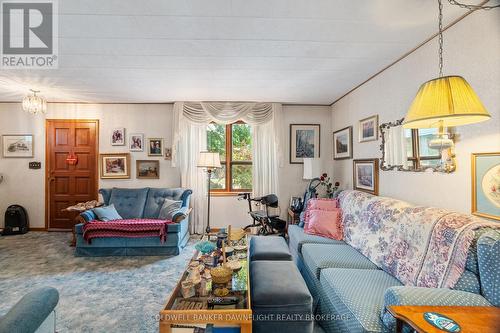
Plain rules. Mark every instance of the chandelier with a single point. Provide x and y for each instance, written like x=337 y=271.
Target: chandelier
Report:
x=34 y=104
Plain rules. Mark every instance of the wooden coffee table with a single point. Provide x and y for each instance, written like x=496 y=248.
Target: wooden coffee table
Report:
x=241 y=315
x=482 y=319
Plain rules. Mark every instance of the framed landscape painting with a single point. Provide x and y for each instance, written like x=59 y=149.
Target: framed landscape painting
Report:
x=17 y=146
x=136 y=142
x=118 y=137
x=365 y=175
x=155 y=147
x=115 y=166
x=368 y=129
x=342 y=144
x=486 y=185
x=148 y=169
x=304 y=142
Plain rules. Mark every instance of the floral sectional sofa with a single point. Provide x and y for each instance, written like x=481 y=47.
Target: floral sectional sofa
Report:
x=395 y=253
x=144 y=204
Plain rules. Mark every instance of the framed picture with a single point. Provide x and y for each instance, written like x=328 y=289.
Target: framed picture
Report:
x=118 y=137
x=368 y=129
x=168 y=154
x=136 y=142
x=486 y=185
x=115 y=166
x=342 y=144
x=155 y=147
x=365 y=175
x=148 y=169
x=304 y=142
x=17 y=145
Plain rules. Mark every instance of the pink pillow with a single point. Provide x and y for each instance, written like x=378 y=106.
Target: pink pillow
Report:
x=325 y=223
x=322 y=204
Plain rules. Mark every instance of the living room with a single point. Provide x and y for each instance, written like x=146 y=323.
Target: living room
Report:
x=315 y=103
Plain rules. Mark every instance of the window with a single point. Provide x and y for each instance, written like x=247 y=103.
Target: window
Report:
x=234 y=144
x=417 y=148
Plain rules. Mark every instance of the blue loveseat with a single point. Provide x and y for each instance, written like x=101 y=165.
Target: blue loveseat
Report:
x=351 y=293
x=138 y=203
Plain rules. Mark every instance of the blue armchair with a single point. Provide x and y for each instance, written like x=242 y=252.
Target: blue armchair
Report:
x=33 y=313
x=138 y=203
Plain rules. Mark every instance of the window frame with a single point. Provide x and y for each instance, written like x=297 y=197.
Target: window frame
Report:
x=417 y=159
x=229 y=163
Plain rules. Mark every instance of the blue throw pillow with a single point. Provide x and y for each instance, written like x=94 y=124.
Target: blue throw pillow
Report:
x=168 y=209
x=107 y=213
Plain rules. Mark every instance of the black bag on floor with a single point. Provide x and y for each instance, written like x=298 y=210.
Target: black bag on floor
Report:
x=16 y=221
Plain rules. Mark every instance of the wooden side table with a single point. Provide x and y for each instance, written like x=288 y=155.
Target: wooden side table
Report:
x=292 y=217
x=483 y=319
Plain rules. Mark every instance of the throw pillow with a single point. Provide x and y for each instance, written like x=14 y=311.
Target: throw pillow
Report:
x=325 y=223
x=107 y=213
x=168 y=209
x=323 y=204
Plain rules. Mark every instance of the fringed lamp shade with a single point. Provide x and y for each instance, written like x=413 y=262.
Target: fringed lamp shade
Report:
x=446 y=101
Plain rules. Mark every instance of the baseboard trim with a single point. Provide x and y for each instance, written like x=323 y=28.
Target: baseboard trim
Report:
x=38 y=229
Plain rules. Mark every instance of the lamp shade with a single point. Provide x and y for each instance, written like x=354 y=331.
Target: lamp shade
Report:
x=208 y=160
x=312 y=168
x=447 y=101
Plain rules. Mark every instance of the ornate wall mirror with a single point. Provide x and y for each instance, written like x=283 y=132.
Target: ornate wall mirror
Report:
x=408 y=149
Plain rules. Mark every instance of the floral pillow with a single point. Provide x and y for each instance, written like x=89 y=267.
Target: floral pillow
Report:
x=325 y=223
x=322 y=204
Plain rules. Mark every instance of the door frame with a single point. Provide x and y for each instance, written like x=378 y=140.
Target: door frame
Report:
x=47 y=159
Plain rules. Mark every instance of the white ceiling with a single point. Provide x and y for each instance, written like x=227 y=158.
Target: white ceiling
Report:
x=293 y=51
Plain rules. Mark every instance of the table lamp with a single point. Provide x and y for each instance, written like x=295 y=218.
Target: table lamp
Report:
x=208 y=161
x=312 y=168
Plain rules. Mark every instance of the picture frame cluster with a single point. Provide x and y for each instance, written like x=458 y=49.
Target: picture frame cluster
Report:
x=365 y=171
x=117 y=165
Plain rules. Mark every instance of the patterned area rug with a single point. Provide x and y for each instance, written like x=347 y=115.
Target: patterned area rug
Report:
x=100 y=294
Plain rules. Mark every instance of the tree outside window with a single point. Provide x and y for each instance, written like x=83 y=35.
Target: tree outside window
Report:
x=233 y=142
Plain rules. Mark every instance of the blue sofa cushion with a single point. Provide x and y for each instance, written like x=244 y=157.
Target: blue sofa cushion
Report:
x=488 y=253
x=357 y=295
x=31 y=311
x=129 y=202
x=321 y=256
x=157 y=196
x=169 y=208
x=468 y=282
x=297 y=237
x=107 y=213
x=269 y=248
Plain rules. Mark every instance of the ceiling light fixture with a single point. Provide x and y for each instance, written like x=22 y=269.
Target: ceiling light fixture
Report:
x=34 y=104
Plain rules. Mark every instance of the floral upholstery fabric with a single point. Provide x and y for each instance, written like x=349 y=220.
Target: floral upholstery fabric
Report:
x=420 y=246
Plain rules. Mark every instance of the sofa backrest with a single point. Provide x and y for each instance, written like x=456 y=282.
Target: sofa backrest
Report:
x=142 y=202
x=156 y=197
x=364 y=216
x=129 y=202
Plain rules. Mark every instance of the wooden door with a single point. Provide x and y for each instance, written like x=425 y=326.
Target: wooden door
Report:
x=68 y=184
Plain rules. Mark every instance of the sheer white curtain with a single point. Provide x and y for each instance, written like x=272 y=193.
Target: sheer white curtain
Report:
x=189 y=138
x=268 y=157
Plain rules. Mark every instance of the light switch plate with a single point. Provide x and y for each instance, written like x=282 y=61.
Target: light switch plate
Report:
x=35 y=165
